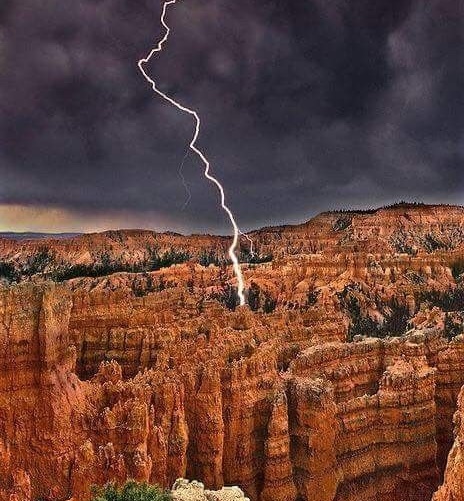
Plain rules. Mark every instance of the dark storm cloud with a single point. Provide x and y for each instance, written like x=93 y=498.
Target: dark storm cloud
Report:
x=306 y=105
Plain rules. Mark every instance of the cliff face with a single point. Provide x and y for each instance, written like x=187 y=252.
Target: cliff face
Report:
x=40 y=395
x=401 y=229
x=381 y=424
x=149 y=376
x=453 y=486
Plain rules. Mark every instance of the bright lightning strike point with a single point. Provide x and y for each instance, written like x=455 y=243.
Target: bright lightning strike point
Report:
x=199 y=153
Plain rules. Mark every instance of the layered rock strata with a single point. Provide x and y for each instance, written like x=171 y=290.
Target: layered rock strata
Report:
x=453 y=486
x=149 y=376
x=345 y=421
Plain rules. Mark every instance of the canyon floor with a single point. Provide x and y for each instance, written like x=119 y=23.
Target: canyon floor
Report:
x=124 y=354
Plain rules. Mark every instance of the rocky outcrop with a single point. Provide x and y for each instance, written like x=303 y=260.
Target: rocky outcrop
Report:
x=339 y=414
x=278 y=481
x=453 y=486
x=40 y=395
x=403 y=229
x=149 y=376
x=183 y=490
x=381 y=403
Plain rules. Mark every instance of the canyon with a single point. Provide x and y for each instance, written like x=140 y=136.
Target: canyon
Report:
x=124 y=355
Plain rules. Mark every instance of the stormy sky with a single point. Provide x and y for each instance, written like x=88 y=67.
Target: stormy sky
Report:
x=307 y=105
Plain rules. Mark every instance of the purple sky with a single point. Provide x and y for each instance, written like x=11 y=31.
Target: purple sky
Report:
x=307 y=106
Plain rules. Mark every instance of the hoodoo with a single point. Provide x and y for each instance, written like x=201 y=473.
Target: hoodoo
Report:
x=124 y=356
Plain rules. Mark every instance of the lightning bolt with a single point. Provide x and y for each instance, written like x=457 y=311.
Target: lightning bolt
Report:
x=184 y=181
x=198 y=152
x=252 y=251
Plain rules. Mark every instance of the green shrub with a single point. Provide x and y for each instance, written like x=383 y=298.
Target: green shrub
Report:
x=457 y=268
x=399 y=241
x=342 y=223
x=396 y=319
x=395 y=322
x=107 y=266
x=453 y=327
x=270 y=303
x=312 y=296
x=8 y=271
x=449 y=300
x=38 y=262
x=210 y=257
x=254 y=297
x=432 y=243
x=227 y=296
x=131 y=491
x=156 y=261
x=254 y=257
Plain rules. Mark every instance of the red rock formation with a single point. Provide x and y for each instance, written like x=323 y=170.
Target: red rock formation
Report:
x=406 y=230
x=278 y=483
x=313 y=431
x=40 y=396
x=148 y=376
x=453 y=486
x=380 y=405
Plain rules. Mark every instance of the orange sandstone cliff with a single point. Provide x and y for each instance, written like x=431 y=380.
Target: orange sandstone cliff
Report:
x=338 y=381
x=453 y=486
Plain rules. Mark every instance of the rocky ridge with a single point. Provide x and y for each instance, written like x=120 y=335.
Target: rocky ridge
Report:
x=453 y=486
x=151 y=376
x=183 y=490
